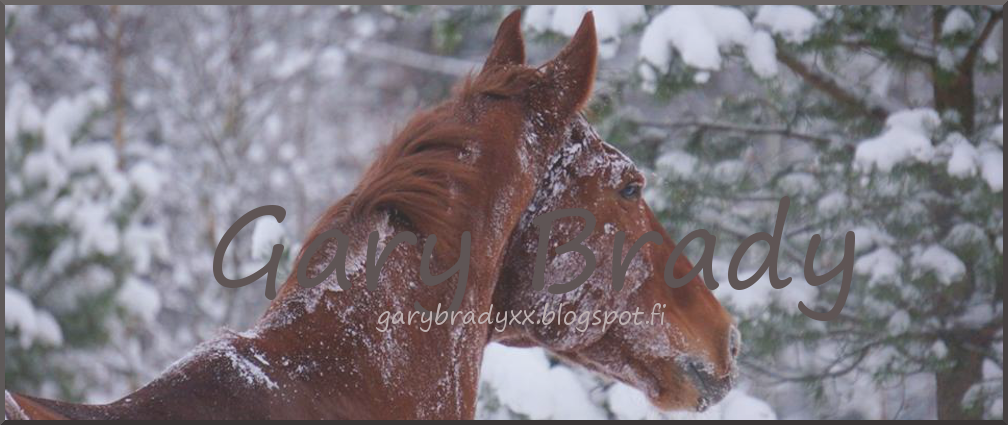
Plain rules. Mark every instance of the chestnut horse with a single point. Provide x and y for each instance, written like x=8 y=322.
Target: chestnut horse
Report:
x=687 y=361
x=509 y=145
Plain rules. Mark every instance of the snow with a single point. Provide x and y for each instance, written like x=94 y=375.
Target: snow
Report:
x=98 y=157
x=992 y=166
x=882 y=266
x=266 y=233
x=1000 y=244
x=292 y=64
x=95 y=225
x=525 y=383
x=677 y=163
x=698 y=34
x=249 y=370
x=762 y=55
x=957 y=21
x=19 y=315
x=991 y=49
x=57 y=158
x=729 y=171
x=66 y=116
x=627 y=403
x=8 y=54
x=906 y=138
x=759 y=295
x=964 y=160
x=146 y=178
x=798 y=184
x=611 y=21
x=146 y=244
x=47 y=330
x=11 y=403
x=977 y=316
x=945 y=265
x=964 y=235
x=832 y=204
x=32 y=325
x=870 y=237
x=44 y=167
x=739 y=406
x=939 y=349
x=571 y=399
x=20 y=112
x=899 y=322
x=947 y=58
x=793 y=23
x=140 y=299
x=331 y=61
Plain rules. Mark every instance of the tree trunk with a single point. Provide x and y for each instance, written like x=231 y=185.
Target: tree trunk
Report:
x=954 y=92
x=954 y=383
x=118 y=97
x=957 y=95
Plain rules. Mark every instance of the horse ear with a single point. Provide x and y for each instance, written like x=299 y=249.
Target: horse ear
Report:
x=571 y=74
x=508 y=47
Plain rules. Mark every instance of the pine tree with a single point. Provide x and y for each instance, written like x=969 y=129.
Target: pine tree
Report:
x=76 y=248
x=908 y=154
x=881 y=120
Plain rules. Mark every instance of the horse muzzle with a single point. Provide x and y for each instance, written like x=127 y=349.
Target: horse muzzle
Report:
x=712 y=385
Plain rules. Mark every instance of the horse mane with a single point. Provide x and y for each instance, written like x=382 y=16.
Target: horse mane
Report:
x=419 y=176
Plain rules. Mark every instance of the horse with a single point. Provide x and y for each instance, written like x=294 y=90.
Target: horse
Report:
x=509 y=144
x=686 y=361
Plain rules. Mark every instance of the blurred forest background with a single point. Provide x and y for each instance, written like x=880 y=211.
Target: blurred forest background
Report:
x=163 y=125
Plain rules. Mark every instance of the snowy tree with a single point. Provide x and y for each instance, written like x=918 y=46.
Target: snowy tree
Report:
x=881 y=120
x=175 y=121
x=78 y=244
x=207 y=97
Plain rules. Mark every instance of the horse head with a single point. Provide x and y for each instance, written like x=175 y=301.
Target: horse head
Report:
x=686 y=359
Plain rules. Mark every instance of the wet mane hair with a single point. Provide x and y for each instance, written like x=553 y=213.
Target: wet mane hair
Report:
x=419 y=176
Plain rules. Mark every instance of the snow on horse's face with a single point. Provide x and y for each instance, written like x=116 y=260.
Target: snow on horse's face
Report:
x=680 y=349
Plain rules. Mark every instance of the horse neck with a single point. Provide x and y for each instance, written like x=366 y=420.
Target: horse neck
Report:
x=318 y=352
x=329 y=342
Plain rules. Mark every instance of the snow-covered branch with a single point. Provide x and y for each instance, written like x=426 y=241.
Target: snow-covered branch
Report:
x=967 y=63
x=826 y=84
x=385 y=52
x=906 y=46
x=738 y=128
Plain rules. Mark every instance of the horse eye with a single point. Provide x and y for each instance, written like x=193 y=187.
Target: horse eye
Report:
x=631 y=191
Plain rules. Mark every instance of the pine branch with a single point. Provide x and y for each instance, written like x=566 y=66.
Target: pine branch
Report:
x=906 y=46
x=970 y=59
x=737 y=128
x=828 y=371
x=832 y=88
x=414 y=59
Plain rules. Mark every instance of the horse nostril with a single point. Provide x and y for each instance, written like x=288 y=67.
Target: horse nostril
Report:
x=711 y=388
x=701 y=371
